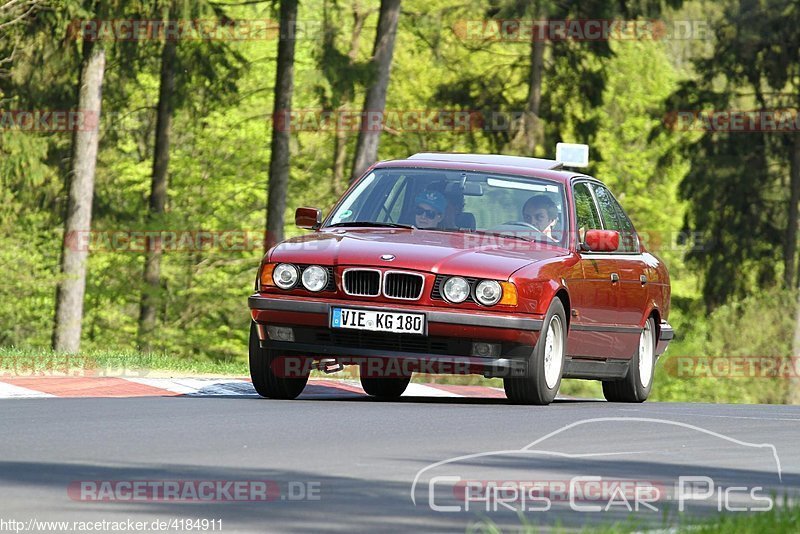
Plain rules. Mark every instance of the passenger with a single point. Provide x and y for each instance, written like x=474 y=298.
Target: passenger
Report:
x=455 y=207
x=541 y=212
x=430 y=208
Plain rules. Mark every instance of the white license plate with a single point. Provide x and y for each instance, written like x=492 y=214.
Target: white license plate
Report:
x=378 y=321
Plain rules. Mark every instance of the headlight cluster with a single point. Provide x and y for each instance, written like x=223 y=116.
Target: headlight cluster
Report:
x=487 y=292
x=287 y=276
x=456 y=289
x=315 y=278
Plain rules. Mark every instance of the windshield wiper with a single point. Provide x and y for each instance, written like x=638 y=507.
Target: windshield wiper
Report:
x=501 y=234
x=371 y=224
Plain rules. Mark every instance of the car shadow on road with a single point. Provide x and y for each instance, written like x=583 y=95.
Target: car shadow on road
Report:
x=461 y=395
x=434 y=400
x=382 y=503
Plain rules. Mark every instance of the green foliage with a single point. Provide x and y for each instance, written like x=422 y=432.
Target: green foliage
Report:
x=737 y=185
x=783 y=518
x=611 y=94
x=18 y=361
x=757 y=328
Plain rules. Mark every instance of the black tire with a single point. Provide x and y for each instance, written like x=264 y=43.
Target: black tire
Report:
x=631 y=388
x=383 y=387
x=532 y=387
x=266 y=382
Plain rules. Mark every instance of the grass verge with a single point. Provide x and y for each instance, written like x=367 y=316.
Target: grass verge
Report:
x=782 y=519
x=15 y=361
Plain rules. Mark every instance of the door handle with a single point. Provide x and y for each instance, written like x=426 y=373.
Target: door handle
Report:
x=643 y=279
x=614 y=278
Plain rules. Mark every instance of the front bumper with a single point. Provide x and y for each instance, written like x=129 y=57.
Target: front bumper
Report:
x=449 y=339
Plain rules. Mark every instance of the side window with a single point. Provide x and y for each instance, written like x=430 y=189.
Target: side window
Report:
x=587 y=216
x=614 y=218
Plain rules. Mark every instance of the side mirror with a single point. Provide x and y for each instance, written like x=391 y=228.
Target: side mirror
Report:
x=308 y=218
x=602 y=240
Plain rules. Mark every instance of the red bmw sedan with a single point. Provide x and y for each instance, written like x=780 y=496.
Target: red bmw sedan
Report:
x=503 y=266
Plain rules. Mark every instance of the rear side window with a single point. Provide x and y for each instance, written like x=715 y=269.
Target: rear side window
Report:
x=614 y=218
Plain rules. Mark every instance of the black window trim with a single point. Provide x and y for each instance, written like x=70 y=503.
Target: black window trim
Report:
x=592 y=182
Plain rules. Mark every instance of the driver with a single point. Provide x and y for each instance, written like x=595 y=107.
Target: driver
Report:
x=430 y=208
x=541 y=212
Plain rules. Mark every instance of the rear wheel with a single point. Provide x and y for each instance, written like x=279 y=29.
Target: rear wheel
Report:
x=383 y=387
x=542 y=376
x=263 y=366
x=636 y=385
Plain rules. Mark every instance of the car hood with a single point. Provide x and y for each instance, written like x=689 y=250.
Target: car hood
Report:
x=477 y=255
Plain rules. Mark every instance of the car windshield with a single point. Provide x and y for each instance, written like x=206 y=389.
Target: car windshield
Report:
x=457 y=201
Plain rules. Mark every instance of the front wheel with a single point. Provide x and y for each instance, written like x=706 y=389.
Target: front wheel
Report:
x=263 y=366
x=542 y=378
x=636 y=385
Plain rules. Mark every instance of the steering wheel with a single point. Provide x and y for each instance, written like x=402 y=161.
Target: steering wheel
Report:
x=521 y=223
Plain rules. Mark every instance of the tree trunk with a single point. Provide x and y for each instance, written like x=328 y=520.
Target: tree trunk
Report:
x=790 y=245
x=529 y=132
x=375 y=101
x=72 y=286
x=279 y=157
x=339 y=157
x=158 y=196
x=340 y=136
x=794 y=381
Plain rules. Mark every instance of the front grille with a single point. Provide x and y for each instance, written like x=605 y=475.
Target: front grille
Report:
x=438 y=287
x=406 y=286
x=362 y=282
x=344 y=339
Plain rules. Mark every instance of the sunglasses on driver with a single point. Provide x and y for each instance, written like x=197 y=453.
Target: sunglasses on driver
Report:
x=430 y=214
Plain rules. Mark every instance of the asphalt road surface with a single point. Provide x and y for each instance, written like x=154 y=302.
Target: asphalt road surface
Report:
x=350 y=463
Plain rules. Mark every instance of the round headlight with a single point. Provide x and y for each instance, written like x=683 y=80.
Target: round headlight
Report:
x=285 y=276
x=488 y=292
x=456 y=289
x=315 y=278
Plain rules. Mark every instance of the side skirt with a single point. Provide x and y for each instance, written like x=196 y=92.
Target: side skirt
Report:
x=595 y=369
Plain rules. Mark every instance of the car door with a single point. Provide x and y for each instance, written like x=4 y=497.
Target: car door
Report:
x=630 y=268
x=593 y=296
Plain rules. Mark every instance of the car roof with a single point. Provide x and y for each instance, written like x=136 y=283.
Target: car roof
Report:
x=495 y=163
